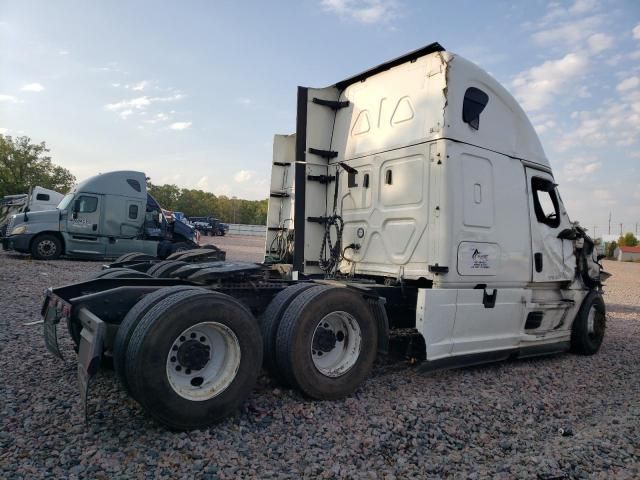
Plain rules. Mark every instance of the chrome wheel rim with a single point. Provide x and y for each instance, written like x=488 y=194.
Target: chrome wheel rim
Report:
x=336 y=344
x=46 y=248
x=203 y=361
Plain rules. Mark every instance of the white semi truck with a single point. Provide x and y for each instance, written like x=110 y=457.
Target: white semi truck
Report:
x=37 y=200
x=415 y=195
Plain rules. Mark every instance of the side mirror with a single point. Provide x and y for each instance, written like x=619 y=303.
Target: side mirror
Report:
x=76 y=206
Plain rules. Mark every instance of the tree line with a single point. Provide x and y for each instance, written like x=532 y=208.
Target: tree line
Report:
x=24 y=164
x=626 y=240
x=198 y=203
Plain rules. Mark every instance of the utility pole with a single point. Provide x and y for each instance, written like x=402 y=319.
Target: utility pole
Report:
x=620 y=229
x=609 y=222
x=594 y=232
x=636 y=229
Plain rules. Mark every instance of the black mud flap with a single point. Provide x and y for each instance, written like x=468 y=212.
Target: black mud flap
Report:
x=51 y=320
x=92 y=338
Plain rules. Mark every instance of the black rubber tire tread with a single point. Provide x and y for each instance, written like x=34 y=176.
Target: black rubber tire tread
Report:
x=155 y=266
x=154 y=335
x=46 y=236
x=168 y=268
x=129 y=274
x=296 y=332
x=102 y=273
x=269 y=323
x=120 y=272
x=180 y=247
x=124 y=258
x=140 y=256
x=130 y=322
x=582 y=342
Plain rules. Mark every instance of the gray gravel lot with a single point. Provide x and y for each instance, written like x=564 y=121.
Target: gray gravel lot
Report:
x=498 y=421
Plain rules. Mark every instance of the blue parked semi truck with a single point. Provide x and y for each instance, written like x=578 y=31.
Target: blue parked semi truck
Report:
x=104 y=216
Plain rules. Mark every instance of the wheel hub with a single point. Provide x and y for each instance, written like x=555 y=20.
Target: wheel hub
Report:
x=324 y=340
x=193 y=355
x=336 y=343
x=203 y=361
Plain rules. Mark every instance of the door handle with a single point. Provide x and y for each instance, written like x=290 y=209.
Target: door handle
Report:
x=94 y=227
x=537 y=259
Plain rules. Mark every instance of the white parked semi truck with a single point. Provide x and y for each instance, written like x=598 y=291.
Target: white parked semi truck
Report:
x=415 y=195
x=37 y=200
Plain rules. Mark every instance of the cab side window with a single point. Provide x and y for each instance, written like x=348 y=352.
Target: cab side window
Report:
x=133 y=212
x=87 y=204
x=545 y=202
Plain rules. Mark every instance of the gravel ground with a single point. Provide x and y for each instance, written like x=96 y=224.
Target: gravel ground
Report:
x=498 y=421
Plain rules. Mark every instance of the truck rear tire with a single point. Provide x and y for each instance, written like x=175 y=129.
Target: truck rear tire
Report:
x=271 y=321
x=120 y=272
x=327 y=342
x=180 y=247
x=194 y=358
x=128 y=256
x=46 y=247
x=587 y=331
x=130 y=322
x=165 y=268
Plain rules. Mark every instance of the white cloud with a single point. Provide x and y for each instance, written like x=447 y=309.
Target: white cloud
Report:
x=616 y=123
x=32 y=87
x=543 y=127
x=139 y=105
x=537 y=86
x=8 y=98
x=583 y=6
x=363 y=11
x=125 y=113
x=157 y=118
x=599 y=42
x=245 y=101
x=571 y=33
x=4 y=131
x=203 y=184
x=139 y=102
x=180 y=125
x=63 y=52
x=636 y=32
x=580 y=169
x=628 y=84
x=140 y=86
x=244 y=176
x=115 y=85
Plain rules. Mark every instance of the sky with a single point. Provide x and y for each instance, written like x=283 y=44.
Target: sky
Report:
x=192 y=92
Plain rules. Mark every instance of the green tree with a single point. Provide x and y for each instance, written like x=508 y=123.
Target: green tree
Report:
x=166 y=195
x=24 y=164
x=198 y=203
x=611 y=248
x=628 y=240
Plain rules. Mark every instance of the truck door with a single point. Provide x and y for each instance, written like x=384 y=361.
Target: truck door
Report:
x=83 y=226
x=552 y=260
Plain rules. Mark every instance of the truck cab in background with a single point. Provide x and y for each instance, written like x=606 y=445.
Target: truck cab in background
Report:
x=37 y=200
x=210 y=226
x=102 y=217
